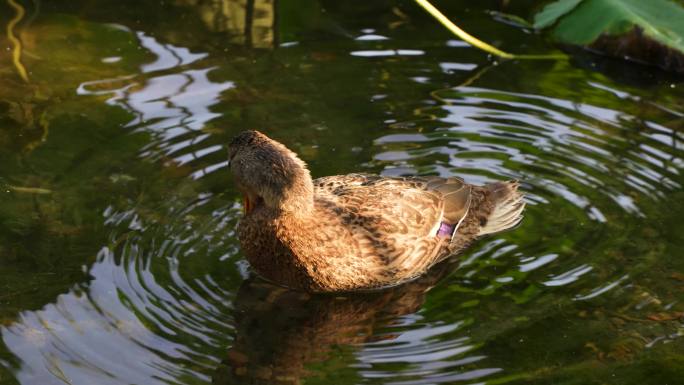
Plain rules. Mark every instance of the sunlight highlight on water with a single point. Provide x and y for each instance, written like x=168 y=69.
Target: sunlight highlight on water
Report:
x=169 y=298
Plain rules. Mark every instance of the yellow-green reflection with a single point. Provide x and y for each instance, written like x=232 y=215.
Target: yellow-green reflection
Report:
x=129 y=270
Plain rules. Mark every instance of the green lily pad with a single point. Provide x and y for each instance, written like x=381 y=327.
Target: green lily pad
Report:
x=650 y=31
x=552 y=12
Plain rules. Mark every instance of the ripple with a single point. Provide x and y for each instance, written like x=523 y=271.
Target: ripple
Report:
x=174 y=107
x=560 y=148
x=137 y=302
x=586 y=170
x=170 y=300
x=387 y=52
x=371 y=37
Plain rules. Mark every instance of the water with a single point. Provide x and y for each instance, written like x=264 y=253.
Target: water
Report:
x=118 y=257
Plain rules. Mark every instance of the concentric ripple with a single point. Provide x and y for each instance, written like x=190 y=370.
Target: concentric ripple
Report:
x=589 y=173
x=170 y=299
x=558 y=147
x=138 y=320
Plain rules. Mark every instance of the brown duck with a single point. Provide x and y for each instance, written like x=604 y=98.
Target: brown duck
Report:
x=356 y=231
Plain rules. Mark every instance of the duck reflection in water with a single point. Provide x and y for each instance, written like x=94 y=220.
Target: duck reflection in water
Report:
x=281 y=332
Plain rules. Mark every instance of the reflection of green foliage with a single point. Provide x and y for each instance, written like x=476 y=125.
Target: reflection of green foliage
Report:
x=315 y=97
x=66 y=51
x=47 y=141
x=544 y=332
x=295 y=16
x=653 y=366
x=62 y=52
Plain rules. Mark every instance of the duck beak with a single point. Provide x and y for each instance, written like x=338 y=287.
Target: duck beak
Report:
x=247 y=204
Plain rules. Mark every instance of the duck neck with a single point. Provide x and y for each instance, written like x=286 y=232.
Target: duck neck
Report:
x=285 y=185
x=297 y=198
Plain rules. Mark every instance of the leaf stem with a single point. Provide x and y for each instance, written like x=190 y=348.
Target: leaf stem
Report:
x=463 y=35
x=16 y=51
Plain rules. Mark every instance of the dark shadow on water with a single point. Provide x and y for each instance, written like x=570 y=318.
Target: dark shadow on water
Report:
x=281 y=332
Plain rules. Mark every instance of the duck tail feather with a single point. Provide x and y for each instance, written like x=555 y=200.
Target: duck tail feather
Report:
x=508 y=207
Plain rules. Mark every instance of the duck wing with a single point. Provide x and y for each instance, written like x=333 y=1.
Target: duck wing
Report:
x=401 y=221
x=421 y=204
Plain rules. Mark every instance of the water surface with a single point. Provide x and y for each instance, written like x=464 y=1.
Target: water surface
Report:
x=118 y=257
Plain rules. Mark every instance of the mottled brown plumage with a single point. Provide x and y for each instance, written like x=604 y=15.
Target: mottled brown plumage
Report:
x=356 y=231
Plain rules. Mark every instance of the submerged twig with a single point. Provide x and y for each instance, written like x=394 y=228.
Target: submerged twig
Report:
x=29 y=190
x=16 y=43
x=475 y=42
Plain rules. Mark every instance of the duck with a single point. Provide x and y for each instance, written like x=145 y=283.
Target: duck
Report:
x=355 y=232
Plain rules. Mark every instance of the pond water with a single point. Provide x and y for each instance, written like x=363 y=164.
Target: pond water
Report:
x=118 y=257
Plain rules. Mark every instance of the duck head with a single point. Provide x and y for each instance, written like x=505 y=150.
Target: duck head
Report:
x=268 y=174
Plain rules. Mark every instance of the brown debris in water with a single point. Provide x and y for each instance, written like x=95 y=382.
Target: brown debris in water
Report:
x=636 y=46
